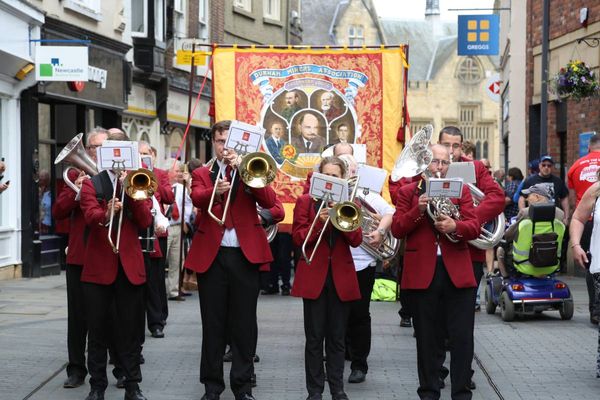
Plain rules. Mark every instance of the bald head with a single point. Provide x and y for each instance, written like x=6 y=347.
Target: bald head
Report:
x=342 y=148
x=440 y=161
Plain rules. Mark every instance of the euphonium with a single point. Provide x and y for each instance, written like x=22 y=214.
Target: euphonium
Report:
x=389 y=247
x=74 y=153
x=439 y=206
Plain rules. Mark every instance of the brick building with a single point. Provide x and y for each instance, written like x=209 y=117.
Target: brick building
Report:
x=567 y=119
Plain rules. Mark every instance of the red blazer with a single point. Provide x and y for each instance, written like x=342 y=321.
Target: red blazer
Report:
x=310 y=279
x=420 y=254
x=491 y=205
x=165 y=194
x=65 y=206
x=242 y=213
x=395 y=186
x=101 y=264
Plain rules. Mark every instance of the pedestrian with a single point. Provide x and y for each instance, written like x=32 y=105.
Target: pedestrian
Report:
x=3 y=185
x=583 y=174
x=439 y=276
x=514 y=179
x=590 y=259
x=327 y=286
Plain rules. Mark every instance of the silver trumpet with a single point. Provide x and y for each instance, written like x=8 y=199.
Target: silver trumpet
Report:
x=74 y=154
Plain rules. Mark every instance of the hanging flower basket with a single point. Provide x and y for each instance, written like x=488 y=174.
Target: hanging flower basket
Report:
x=576 y=81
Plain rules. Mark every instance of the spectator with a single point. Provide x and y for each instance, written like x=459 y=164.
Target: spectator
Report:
x=3 y=186
x=533 y=168
x=514 y=180
x=469 y=150
x=45 y=198
x=581 y=176
x=499 y=175
x=557 y=188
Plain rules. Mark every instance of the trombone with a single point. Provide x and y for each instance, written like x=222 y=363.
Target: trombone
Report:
x=345 y=216
x=139 y=185
x=257 y=170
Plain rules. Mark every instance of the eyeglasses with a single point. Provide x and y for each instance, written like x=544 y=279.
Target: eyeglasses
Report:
x=452 y=145
x=93 y=146
x=220 y=141
x=546 y=165
x=435 y=161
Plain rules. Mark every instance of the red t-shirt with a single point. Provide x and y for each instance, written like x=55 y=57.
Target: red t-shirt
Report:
x=583 y=173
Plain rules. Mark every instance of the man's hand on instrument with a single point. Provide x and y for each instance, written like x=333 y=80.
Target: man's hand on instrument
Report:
x=445 y=224
x=79 y=181
x=323 y=215
x=222 y=186
x=423 y=200
x=118 y=206
x=123 y=176
x=230 y=157
x=374 y=238
x=160 y=229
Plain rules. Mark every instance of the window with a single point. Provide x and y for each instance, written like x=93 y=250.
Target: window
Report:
x=179 y=14
x=416 y=126
x=271 y=9
x=203 y=19
x=356 y=35
x=159 y=20
x=469 y=71
x=245 y=5
x=139 y=18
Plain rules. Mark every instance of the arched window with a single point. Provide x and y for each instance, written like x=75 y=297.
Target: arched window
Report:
x=469 y=71
x=478 y=149
x=485 y=149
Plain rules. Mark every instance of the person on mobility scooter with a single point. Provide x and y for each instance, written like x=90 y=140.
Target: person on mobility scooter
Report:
x=527 y=258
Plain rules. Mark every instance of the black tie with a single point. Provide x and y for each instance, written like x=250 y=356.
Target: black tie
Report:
x=308 y=145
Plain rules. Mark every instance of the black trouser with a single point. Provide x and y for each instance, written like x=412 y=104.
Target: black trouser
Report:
x=281 y=247
x=228 y=294
x=586 y=237
x=478 y=271
x=156 y=293
x=77 y=325
x=442 y=304
x=162 y=242
x=325 y=319
x=404 y=306
x=128 y=301
x=359 y=322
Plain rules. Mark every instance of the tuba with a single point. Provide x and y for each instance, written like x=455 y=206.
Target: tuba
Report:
x=488 y=239
x=74 y=154
x=390 y=246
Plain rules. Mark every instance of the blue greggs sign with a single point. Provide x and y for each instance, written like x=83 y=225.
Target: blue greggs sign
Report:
x=478 y=35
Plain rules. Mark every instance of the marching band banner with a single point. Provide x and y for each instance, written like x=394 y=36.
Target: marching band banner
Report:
x=306 y=99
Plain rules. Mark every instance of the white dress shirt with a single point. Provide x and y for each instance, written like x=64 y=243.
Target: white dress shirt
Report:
x=230 y=238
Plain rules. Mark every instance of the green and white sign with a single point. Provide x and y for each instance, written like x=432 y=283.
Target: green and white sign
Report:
x=61 y=63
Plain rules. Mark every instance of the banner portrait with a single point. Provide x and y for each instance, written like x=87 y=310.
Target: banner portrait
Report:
x=307 y=99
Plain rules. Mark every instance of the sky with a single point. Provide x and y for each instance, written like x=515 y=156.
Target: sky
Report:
x=415 y=9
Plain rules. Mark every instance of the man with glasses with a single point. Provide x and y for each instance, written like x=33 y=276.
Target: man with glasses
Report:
x=557 y=188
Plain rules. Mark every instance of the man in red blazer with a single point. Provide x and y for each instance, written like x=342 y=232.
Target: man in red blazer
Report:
x=108 y=277
x=438 y=277
x=67 y=206
x=227 y=259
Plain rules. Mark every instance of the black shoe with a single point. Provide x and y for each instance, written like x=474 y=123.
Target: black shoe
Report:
x=339 y=396
x=244 y=396
x=73 y=381
x=270 y=291
x=177 y=298
x=210 y=396
x=142 y=359
x=405 y=322
x=228 y=356
x=186 y=294
x=95 y=395
x=442 y=383
x=134 y=395
x=256 y=358
x=471 y=385
x=158 y=333
x=315 y=397
x=253 y=380
x=285 y=291
x=357 y=376
x=121 y=382
x=477 y=307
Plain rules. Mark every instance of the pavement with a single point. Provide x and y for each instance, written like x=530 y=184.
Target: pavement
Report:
x=538 y=357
